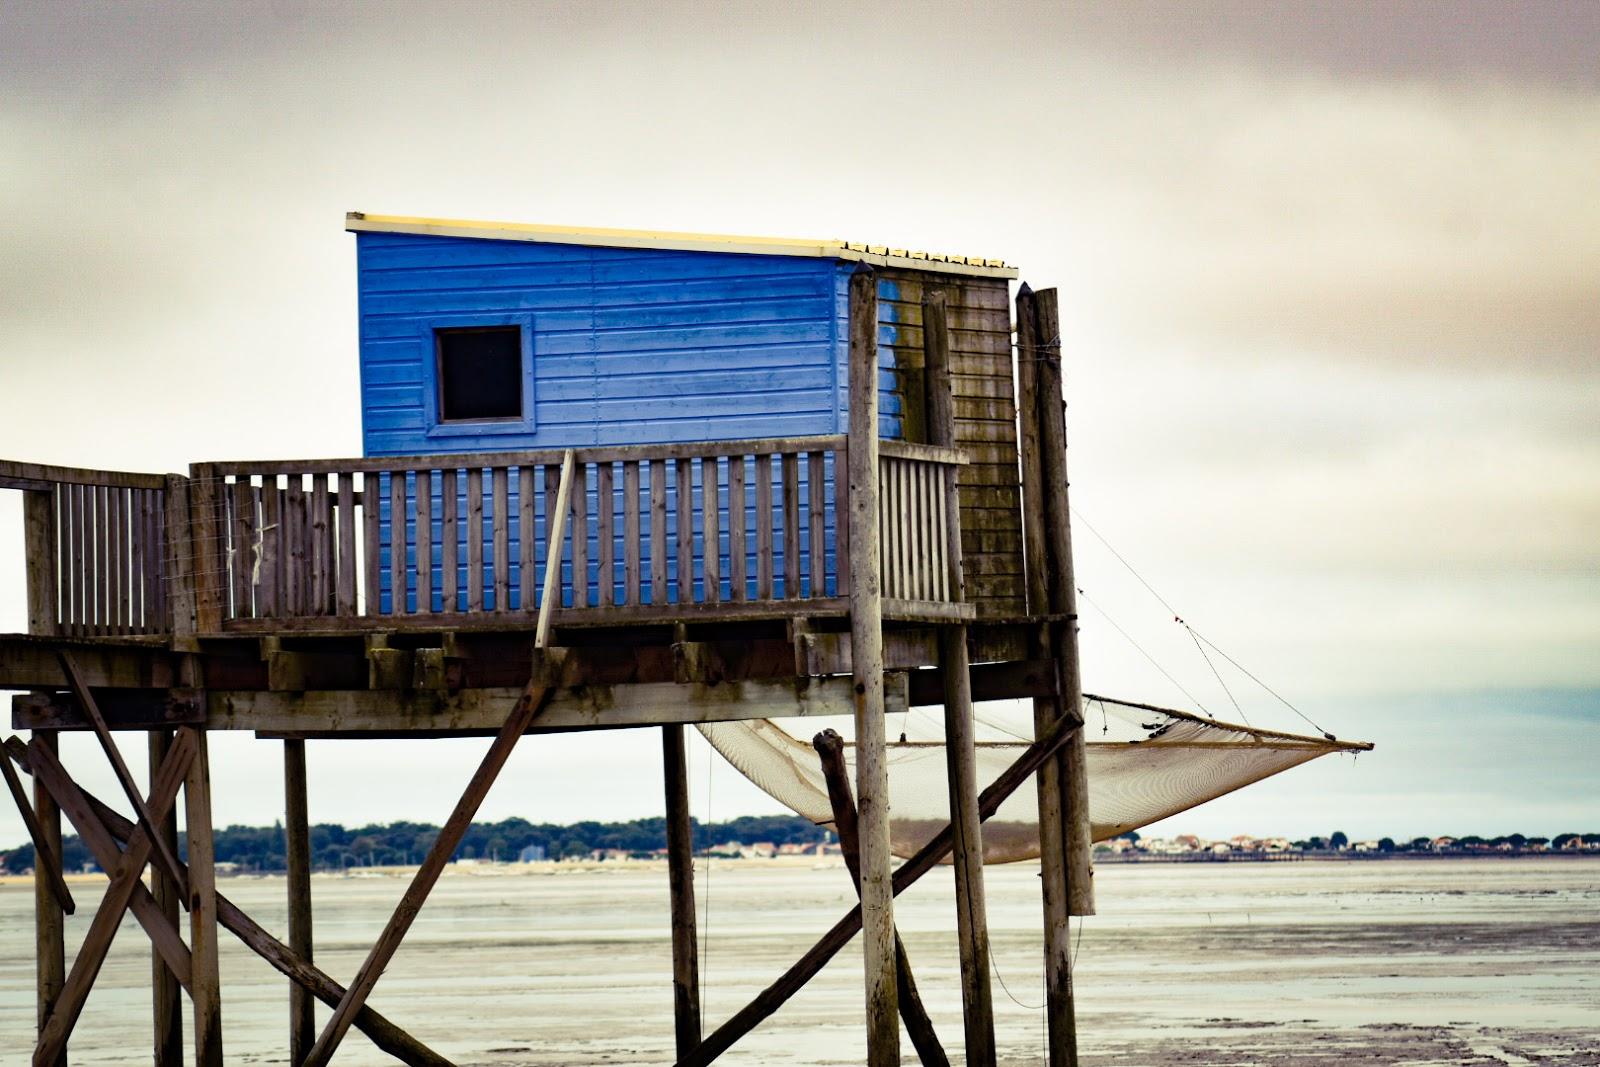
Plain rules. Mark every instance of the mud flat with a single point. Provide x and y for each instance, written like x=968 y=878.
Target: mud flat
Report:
x=1469 y=962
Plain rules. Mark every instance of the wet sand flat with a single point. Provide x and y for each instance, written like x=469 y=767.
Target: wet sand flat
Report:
x=1388 y=962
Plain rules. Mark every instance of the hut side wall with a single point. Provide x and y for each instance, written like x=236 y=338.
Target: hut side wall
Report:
x=627 y=345
x=985 y=407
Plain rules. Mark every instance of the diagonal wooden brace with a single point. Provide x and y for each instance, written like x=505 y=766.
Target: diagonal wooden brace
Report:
x=926 y=859
x=163 y=851
x=103 y=847
x=86 y=966
x=384 y=1033
x=43 y=856
x=830 y=746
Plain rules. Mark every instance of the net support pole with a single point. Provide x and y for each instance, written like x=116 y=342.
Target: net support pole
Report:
x=680 y=873
x=1060 y=1018
x=1063 y=602
x=972 y=924
x=866 y=648
x=297 y=857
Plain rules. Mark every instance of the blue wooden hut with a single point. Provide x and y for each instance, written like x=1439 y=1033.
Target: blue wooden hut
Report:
x=487 y=337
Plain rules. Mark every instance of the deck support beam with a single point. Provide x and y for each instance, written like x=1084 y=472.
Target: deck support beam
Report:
x=680 y=872
x=297 y=859
x=866 y=643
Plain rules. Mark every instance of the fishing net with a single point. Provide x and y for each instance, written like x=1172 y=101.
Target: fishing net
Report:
x=1144 y=764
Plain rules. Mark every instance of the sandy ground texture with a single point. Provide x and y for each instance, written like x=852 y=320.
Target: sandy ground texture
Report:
x=1397 y=962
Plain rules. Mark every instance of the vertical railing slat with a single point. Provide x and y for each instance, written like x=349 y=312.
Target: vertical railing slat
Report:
x=817 y=514
x=474 y=539
x=764 y=546
x=605 y=528
x=346 y=521
x=658 y=531
x=267 y=598
x=502 y=539
x=449 y=542
x=424 y=538
x=630 y=532
x=685 y=520
x=737 y=559
x=580 y=535
x=289 y=545
x=372 y=543
x=791 y=526
x=527 y=562
x=711 y=521
x=397 y=543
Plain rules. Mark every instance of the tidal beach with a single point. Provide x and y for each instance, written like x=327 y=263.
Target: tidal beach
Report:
x=1477 y=961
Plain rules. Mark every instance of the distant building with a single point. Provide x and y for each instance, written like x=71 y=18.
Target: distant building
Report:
x=727 y=848
x=763 y=850
x=531 y=854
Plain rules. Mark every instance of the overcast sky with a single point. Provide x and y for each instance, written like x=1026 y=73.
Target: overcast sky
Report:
x=1330 y=282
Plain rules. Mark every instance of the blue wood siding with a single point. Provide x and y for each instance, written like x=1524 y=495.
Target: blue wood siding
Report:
x=628 y=346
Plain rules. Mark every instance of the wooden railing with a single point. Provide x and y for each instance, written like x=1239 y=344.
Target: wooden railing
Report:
x=652 y=532
x=96 y=563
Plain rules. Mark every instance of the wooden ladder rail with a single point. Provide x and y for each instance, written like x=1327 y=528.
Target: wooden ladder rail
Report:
x=538 y=692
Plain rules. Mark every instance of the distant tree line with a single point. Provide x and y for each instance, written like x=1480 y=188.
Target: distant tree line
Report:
x=261 y=848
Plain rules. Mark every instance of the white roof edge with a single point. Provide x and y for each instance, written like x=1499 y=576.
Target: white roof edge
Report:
x=357 y=222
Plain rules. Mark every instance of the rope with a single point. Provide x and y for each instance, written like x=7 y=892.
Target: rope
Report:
x=1197 y=635
x=1215 y=673
x=1192 y=698
x=995 y=967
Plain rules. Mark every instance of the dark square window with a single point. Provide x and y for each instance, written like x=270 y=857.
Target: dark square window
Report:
x=480 y=373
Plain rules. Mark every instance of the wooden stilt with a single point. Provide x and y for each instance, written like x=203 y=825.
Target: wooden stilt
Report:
x=972 y=924
x=680 y=865
x=50 y=950
x=866 y=644
x=166 y=992
x=101 y=826
x=1047 y=712
x=206 y=984
x=830 y=746
x=924 y=860
x=1063 y=600
x=297 y=856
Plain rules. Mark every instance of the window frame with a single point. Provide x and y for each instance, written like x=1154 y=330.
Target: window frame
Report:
x=433 y=374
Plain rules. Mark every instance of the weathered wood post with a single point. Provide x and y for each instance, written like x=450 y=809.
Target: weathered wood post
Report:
x=680 y=874
x=39 y=546
x=972 y=925
x=50 y=953
x=1047 y=711
x=866 y=653
x=166 y=994
x=208 y=551
x=1063 y=600
x=205 y=984
x=297 y=859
